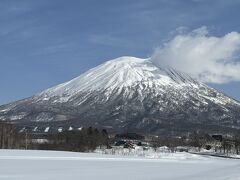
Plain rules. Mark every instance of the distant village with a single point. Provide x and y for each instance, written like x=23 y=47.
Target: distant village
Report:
x=91 y=139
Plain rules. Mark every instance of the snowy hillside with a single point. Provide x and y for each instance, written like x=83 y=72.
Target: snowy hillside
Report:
x=41 y=165
x=121 y=73
x=128 y=93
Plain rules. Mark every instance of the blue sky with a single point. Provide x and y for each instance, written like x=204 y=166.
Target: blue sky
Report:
x=44 y=43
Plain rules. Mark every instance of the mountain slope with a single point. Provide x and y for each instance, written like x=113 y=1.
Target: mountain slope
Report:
x=129 y=93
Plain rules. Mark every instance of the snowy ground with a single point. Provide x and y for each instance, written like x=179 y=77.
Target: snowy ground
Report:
x=51 y=165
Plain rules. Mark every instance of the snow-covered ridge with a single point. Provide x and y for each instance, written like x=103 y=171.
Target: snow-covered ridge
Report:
x=128 y=72
x=126 y=93
x=118 y=73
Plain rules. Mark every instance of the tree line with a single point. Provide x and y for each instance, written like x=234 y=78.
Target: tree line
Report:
x=201 y=140
x=88 y=139
x=9 y=137
x=85 y=140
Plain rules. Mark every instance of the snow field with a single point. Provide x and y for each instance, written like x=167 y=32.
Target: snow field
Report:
x=50 y=165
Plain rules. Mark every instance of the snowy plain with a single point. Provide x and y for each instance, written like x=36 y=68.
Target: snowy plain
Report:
x=51 y=165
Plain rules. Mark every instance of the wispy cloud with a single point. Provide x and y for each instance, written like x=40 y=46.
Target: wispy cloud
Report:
x=54 y=49
x=208 y=58
x=109 y=40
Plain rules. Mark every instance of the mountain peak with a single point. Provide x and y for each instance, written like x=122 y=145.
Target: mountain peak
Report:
x=127 y=59
x=129 y=93
x=120 y=73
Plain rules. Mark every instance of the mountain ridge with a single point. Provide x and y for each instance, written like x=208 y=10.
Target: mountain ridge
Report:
x=129 y=93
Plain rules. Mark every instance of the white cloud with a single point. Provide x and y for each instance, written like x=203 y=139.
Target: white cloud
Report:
x=207 y=58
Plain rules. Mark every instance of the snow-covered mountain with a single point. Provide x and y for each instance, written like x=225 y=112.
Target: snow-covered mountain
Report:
x=127 y=94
